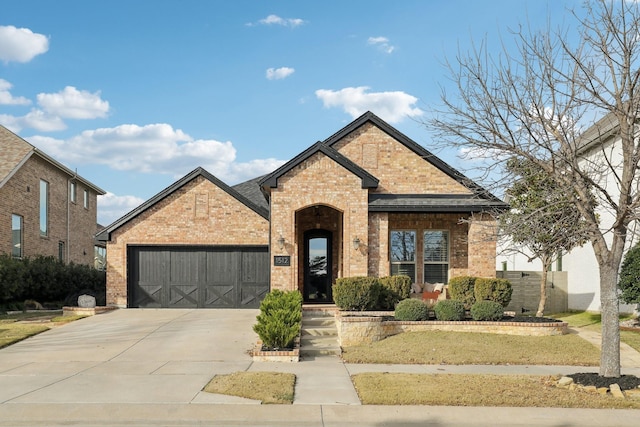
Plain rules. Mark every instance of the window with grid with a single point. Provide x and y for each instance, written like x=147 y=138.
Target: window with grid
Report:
x=403 y=253
x=436 y=256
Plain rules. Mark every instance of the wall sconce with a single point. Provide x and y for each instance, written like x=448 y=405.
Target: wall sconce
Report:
x=281 y=242
x=356 y=243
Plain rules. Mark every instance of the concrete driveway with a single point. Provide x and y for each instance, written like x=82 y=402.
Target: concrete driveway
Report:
x=129 y=356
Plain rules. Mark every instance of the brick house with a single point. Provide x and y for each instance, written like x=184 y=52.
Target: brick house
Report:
x=45 y=208
x=366 y=201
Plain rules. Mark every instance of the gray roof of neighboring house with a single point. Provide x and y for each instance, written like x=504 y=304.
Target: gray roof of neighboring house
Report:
x=598 y=133
x=105 y=233
x=432 y=203
x=15 y=151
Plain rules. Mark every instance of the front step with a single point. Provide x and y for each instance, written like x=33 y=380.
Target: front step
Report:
x=319 y=334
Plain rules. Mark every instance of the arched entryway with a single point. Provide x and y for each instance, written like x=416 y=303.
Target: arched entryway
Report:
x=319 y=235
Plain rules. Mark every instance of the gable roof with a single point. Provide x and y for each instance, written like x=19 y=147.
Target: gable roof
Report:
x=425 y=154
x=105 y=233
x=368 y=180
x=432 y=203
x=16 y=151
x=251 y=190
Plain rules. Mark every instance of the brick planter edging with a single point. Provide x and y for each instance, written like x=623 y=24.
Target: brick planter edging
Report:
x=86 y=311
x=367 y=327
x=293 y=355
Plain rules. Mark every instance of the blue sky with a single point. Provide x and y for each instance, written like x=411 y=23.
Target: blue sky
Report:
x=135 y=94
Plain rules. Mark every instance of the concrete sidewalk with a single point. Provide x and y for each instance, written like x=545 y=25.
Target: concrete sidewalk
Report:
x=148 y=367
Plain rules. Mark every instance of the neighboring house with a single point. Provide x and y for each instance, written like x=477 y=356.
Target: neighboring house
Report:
x=599 y=147
x=366 y=201
x=45 y=208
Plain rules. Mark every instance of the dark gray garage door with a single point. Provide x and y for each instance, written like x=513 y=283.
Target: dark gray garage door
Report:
x=197 y=277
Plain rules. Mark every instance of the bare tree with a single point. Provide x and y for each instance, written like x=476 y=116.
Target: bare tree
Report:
x=542 y=222
x=534 y=103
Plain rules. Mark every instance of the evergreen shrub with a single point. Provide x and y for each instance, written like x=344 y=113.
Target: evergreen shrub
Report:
x=449 y=310
x=491 y=289
x=412 y=310
x=357 y=293
x=280 y=318
x=393 y=290
x=629 y=281
x=461 y=288
x=487 y=310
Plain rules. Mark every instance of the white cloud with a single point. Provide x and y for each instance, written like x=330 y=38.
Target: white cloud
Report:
x=279 y=73
x=69 y=103
x=72 y=103
x=111 y=207
x=7 y=99
x=155 y=148
x=276 y=20
x=390 y=106
x=381 y=43
x=21 y=44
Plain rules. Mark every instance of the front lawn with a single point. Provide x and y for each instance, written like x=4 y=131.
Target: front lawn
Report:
x=16 y=327
x=463 y=348
x=267 y=387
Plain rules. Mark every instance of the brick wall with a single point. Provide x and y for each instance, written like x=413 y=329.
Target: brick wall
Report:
x=199 y=213
x=21 y=196
x=399 y=169
x=318 y=181
x=482 y=246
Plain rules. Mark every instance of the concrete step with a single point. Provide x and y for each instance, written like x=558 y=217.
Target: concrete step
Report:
x=319 y=334
x=324 y=331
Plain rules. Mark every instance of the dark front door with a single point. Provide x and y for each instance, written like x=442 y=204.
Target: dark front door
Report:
x=317 y=266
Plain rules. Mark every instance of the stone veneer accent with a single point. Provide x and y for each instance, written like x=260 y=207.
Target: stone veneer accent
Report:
x=364 y=329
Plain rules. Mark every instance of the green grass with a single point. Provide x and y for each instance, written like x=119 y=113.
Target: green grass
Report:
x=31 y=315
x=12 y=332
x=593 y=322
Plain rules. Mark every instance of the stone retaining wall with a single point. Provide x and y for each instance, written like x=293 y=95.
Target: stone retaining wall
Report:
x=367 y=328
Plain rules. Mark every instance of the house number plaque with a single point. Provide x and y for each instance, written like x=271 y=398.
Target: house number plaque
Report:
x=282 y=260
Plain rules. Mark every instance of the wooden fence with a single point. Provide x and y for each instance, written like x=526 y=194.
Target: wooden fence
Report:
x=526 y=291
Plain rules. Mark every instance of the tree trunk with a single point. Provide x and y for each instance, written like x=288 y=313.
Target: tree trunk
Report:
x=610 y=353
x=546 y=263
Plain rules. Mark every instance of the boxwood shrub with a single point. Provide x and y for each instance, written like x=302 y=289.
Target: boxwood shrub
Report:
x=449 y=310
x=490 y=289
x=462 y=289
x=393 y=290
x=411 y=309
x=487 y=310
x=357 y=293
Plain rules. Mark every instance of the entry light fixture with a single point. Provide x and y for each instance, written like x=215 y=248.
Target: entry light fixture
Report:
x=356 y=243
x=281 y=242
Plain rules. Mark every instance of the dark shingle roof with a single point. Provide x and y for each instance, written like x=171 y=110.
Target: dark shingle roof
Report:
x=368 y=180
x=432 y=203
x=252 y=191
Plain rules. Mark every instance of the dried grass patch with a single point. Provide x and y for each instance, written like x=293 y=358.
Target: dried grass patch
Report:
x=463 y=348
x=12 y=332
x=476 y=390
x=267 y=387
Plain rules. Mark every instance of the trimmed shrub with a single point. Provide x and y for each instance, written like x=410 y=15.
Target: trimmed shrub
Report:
x=629 y=281
x=490 y=289
x=280 y=319
x=412 y=310
x=393 y=290
x=487 y=310
x=449 y=309
x=357 y=293
x=47 y=280
x=462 y=289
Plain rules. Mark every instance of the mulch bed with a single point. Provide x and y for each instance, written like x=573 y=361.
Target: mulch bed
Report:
x=626 y=382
